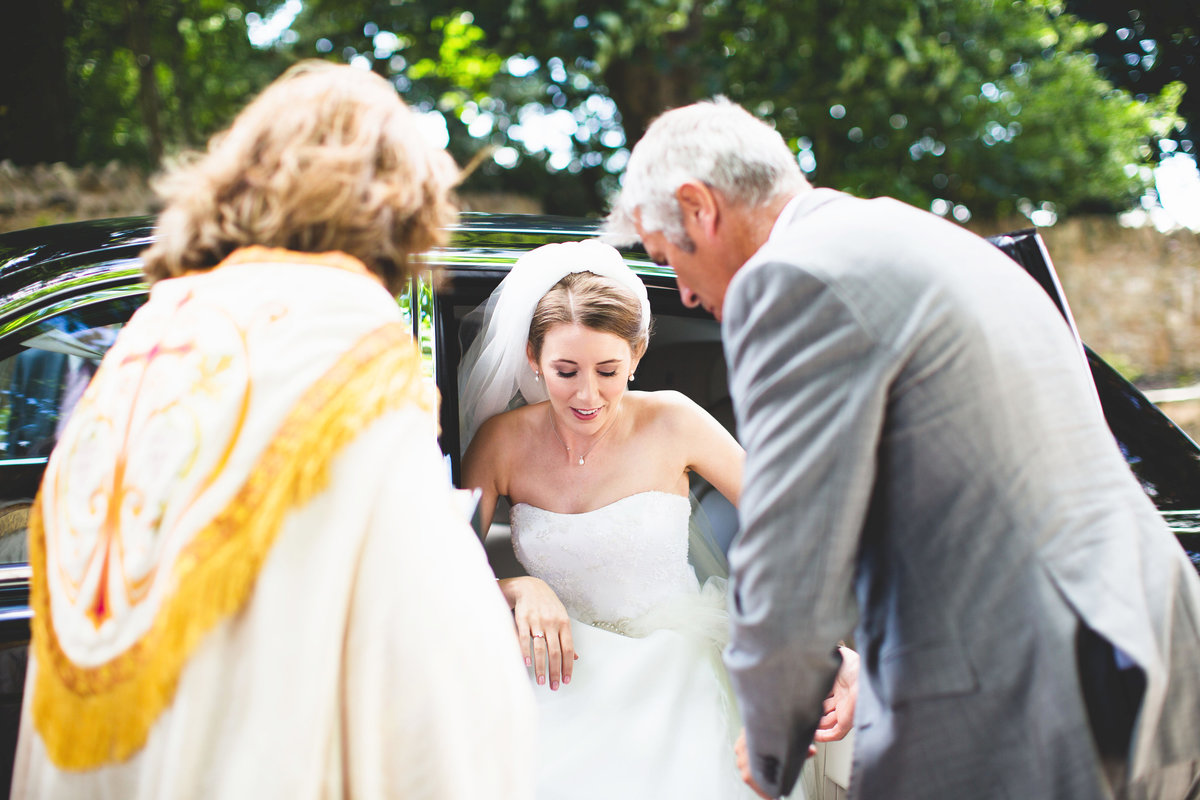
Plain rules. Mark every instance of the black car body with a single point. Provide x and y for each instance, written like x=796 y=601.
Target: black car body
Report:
x=65 y=291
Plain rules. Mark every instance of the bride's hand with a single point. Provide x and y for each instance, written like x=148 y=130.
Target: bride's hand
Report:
x=543 y=629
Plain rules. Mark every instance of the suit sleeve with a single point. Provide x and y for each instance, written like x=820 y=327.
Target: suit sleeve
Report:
x=810 y=393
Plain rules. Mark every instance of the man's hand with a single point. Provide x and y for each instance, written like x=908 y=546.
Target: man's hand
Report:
x=838 y=718
x=743 y=764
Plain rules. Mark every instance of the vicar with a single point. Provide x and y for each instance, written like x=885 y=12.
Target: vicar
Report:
x=250 y=578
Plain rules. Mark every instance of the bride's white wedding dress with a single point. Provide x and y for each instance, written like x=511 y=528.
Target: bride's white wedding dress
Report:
x=648 y=712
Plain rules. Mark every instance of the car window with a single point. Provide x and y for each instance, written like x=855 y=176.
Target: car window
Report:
x=40 y=385
x=44 y=371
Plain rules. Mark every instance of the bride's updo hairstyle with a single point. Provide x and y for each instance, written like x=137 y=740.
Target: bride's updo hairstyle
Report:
x=585 y=282
x=595 y=302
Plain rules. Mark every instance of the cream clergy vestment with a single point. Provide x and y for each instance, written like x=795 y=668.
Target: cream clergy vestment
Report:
x=250 y=578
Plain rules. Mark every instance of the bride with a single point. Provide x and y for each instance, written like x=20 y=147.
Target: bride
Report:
x=597 y=476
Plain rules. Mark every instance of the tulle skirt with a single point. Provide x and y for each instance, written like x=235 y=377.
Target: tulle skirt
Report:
x=648 y=712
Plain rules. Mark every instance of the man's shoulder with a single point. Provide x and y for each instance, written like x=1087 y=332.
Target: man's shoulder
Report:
x=872 y=258
x=851 y=241
x=820 y=231
x=778 y=269
x=828 y=221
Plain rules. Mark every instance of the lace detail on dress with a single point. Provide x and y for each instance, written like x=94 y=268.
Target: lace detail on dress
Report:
x=613 y=564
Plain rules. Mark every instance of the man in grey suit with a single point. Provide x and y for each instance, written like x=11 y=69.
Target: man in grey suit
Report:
x=927 y=467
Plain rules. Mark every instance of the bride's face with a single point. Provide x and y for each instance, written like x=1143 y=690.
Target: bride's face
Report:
x=586 y=372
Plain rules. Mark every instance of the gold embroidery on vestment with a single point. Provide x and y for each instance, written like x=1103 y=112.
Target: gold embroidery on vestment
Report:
x=90 y=716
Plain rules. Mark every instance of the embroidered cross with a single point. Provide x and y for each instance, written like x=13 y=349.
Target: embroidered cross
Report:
x=101 y=609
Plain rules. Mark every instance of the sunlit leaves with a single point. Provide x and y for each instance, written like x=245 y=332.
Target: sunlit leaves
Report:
x=980 y=107
x=1001 y=103
x=462 y=62
x=203 y=70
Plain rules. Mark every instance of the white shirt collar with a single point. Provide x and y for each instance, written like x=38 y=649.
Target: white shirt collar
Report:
x=785 y=216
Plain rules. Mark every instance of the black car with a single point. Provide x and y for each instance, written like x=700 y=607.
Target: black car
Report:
x=66 y=290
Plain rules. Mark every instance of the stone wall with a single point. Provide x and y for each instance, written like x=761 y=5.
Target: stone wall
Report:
x=45 y=194
x=1135 y=294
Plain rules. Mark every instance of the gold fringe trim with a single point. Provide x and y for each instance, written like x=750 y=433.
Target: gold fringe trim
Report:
x=90 y=716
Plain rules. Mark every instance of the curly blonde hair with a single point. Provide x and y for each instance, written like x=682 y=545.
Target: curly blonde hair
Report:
x=328 y=157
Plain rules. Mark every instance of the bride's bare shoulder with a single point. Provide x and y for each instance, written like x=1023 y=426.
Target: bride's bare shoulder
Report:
x=663 y=401
x=666 y=407
x=512 y=426
x=499 y=448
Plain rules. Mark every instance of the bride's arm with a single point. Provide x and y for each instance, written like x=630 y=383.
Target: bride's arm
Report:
x=536 y=608
x=483 y=469
x=708 y=448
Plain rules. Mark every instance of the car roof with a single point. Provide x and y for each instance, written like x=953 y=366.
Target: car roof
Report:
x=490 y=241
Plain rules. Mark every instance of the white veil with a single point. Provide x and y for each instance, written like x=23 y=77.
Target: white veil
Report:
x=494 y=374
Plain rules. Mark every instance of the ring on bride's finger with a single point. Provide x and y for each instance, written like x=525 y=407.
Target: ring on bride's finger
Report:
x=539 y=635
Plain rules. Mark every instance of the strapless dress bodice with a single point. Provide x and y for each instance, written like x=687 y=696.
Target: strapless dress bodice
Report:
x=616 y=562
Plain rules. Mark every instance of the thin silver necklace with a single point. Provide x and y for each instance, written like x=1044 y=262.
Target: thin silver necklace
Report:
x=553 y=427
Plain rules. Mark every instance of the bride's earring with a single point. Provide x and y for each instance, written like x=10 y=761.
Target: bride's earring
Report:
x=537 y=376
x=631 y=377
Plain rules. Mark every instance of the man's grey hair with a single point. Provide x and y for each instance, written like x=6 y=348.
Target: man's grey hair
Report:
x=716 y=142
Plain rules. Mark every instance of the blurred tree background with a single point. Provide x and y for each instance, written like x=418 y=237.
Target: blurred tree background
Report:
x=971 y=108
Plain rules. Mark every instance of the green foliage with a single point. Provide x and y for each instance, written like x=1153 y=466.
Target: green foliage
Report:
x=151 y=76
x=987 y=107
x=970 y=107
x=1146 y=47
x=444 y=61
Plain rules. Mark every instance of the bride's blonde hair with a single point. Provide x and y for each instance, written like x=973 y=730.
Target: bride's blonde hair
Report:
x=328 y=157
x=595 y=302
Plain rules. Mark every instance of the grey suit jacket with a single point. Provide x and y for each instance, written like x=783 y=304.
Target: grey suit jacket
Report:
x=928 y=468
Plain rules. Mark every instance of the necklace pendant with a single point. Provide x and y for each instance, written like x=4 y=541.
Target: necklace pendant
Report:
x=581 y=461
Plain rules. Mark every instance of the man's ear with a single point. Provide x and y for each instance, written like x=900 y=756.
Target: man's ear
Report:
x=699 y=206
